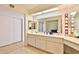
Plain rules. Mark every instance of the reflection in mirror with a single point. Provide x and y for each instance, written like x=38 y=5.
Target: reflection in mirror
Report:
x=41 y=25
x=52 y=26
x=32 y=25
x=76 y=25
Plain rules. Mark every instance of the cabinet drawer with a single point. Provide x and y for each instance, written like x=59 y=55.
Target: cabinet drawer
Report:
x=54 y=47
x=53 y=39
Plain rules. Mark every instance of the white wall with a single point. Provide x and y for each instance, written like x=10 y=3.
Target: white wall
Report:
x=10 y=26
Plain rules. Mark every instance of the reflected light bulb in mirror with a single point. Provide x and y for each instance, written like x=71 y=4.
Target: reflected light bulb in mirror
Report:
x=72 y=28
x=72 y=21
x=29 y=25
x=72 y=25
x=72 y=18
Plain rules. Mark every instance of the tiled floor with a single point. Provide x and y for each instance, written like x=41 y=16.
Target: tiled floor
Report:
x=18 y=48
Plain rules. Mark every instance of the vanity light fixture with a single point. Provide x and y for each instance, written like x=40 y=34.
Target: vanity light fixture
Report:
x=66 y=23
x=66 y=15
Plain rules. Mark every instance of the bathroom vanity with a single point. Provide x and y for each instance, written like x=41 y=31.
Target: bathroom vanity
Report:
x=53 y=43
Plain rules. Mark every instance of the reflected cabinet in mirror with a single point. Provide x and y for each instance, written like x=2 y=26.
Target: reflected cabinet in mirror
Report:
x=32 y=25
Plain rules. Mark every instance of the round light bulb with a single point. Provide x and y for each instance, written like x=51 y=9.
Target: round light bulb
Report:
x=66 y=21
x=66 y=18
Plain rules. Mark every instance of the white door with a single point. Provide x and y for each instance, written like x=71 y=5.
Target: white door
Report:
x=10 y=30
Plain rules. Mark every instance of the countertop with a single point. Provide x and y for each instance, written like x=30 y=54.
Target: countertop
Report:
x=71 y=39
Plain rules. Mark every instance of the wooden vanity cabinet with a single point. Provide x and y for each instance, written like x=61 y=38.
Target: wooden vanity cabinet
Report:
x=41 y=42
x=49 y=44
x=31 y=40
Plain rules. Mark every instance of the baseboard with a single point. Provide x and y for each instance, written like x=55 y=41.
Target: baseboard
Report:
x=10 y=44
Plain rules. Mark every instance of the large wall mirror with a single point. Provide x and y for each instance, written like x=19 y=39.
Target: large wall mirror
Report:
x=50 y=24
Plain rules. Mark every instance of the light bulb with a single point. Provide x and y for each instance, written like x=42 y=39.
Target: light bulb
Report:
x=66 y=18
x=66 y=21
x=66 y=25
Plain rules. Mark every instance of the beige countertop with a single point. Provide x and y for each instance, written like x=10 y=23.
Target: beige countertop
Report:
x=71 y=39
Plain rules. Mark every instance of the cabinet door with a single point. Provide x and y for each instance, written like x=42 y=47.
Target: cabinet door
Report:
x=55 y=39
x=31 y=40
x=41 y=43
x=54 y=47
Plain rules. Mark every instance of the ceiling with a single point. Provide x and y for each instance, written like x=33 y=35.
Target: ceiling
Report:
x=33 y=8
